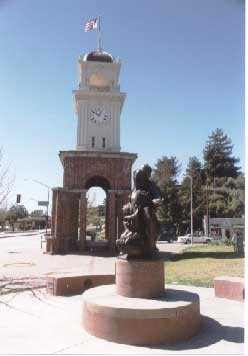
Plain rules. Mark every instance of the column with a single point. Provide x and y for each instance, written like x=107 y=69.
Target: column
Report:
x=58 y=214
x=53 y=217
x=82 y=220
x=117 y=127
x=111 y=220
x=72 y=221
x=82 y=128
x=115 y=109
x=66 y=221
x=79 y=123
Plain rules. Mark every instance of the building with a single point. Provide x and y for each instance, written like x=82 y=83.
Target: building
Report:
x=97 y=159
x=224 y=227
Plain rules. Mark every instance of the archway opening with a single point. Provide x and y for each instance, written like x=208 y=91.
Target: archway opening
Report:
x=96 y=214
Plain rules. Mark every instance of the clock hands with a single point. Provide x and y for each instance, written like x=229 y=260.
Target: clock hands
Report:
x=98 y=112
x=101 y=116
x=98 y=115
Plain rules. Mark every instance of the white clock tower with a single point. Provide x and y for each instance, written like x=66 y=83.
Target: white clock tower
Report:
x=98 y=103
x=97 y=160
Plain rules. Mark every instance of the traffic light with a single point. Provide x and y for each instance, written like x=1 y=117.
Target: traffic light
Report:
x=18 y=198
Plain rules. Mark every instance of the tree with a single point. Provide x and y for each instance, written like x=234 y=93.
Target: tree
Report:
x=218 y=159
x=6 y=180
x=93 y=217
x=194 y=169
x=16 y=212
x=165 y=175
x=3 y=214
x=37 y=213
x=227 y=197
x=237 y=196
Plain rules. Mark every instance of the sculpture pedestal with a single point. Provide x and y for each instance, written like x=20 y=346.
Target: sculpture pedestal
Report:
x=139 y=278
x=169 y=319
x=125 y=312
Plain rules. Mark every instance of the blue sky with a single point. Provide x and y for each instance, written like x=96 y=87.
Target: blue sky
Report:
x=182 y=70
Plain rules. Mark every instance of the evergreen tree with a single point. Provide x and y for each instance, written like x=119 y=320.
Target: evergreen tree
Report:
x=218 y=159
x=165 y=175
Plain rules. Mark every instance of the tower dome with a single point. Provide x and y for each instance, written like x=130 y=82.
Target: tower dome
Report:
x=96 y=56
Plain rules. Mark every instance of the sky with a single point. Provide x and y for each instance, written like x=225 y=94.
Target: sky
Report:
x=182 y=70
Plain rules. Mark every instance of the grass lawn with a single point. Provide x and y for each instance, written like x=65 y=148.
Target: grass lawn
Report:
x=199 y=265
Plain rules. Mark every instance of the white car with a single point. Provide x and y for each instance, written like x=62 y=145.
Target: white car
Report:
x=196 y=239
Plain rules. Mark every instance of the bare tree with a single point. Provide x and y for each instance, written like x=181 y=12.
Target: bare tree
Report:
x=6 y=179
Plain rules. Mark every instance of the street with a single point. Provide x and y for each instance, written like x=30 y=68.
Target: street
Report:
x=21 y=257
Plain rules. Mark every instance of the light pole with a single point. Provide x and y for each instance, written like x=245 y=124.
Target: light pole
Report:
x=207 y=210
x=191 y=207
x=48 y=195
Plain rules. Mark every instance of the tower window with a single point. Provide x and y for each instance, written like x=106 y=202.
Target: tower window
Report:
x=93 y=141
x=103 y=142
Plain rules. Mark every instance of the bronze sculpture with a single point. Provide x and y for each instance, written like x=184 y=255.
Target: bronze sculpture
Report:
x=140 y=222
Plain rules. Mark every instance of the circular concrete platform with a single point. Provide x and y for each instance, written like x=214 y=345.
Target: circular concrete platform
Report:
x=169 y=319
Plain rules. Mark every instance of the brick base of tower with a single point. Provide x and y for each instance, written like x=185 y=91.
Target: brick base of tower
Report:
x=110 y=171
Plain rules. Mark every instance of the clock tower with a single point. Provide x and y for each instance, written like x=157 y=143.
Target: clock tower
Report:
x=98 y=103
x=97 y=160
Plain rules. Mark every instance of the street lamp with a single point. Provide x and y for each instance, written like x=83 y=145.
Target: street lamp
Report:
x=48 y=195
x=191 y=207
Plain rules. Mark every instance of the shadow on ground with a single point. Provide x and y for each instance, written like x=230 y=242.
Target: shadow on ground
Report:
x=218 y=255
x=210 y=333
x=166 y=256
x=87 y=253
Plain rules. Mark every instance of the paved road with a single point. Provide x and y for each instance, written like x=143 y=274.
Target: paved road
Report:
x=21 y=257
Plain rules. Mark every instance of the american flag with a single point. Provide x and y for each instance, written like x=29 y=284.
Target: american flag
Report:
x=90 y=25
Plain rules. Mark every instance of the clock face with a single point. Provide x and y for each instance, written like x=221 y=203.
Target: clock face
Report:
x=98 y=115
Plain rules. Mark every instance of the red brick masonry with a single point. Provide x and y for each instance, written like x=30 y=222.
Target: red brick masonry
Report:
x=110 y=171
x=139 y=278
x=229 y=287
x=81 y=166
x=71 y=284
x=169 y=319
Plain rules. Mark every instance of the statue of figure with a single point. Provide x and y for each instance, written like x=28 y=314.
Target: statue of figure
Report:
x=140 y=222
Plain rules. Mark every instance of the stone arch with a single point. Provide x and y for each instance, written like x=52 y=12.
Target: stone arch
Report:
x=98 y=181
x=101 y=182
x=110 y=171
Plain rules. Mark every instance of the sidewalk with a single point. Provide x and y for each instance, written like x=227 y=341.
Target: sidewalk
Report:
x=35 y=322
x=21 y=233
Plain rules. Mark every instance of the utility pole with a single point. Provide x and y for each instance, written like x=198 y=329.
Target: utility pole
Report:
x=207 y=210
x=191 y=207
x=48 y=196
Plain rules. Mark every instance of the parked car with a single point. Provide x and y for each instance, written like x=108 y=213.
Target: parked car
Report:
x=167 y=233
x=196 y=239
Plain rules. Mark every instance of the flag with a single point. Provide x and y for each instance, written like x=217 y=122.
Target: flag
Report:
x=90 y=25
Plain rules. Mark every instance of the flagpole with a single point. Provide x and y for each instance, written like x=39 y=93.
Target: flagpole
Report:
x=99 y=34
